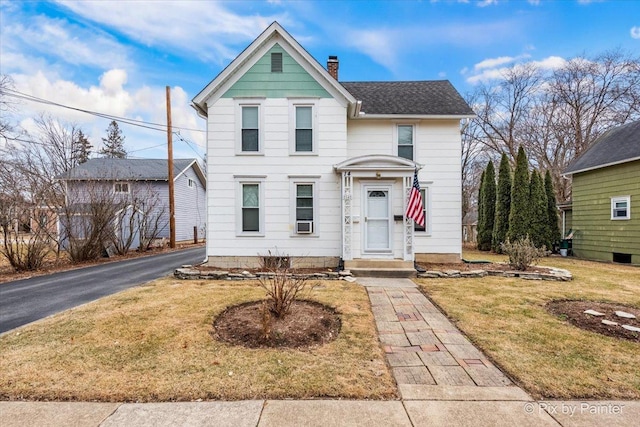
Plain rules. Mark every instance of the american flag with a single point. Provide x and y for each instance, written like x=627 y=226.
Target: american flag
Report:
x=415 y=207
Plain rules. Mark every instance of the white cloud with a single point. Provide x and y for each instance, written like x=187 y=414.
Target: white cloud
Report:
x=379 y=45
x=495 y=62
x=200 y=28
x=42 y=36
x=111 y=96
x=635 y=32
x=485 y=3
x=491 y=69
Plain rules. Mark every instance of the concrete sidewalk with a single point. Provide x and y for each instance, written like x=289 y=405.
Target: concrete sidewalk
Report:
x=322 y=413
x=442 y=378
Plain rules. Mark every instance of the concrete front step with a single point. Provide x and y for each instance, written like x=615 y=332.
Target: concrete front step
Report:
x=377 y=263
x=384 y=272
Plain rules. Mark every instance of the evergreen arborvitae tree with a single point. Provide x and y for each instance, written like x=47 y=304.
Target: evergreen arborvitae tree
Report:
x=503 y=204
x=113 y=143
x=552 y=211
x=480 y=221
x=488 y=208
x=519 y=211
x=538 y=217
x=82 y=147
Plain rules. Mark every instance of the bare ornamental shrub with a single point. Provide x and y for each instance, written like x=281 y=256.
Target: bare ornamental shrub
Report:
x=523 y=253
x=281 y=285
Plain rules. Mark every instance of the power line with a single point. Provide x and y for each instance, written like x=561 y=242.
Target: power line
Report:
x=133 y=122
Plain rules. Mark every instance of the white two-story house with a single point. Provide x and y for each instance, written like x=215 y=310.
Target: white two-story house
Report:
x=307 y=166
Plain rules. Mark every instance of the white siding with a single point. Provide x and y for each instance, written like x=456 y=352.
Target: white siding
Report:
x=438 y=149
x=274 y=168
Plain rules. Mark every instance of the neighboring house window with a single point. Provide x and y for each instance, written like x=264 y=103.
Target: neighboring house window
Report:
x=405 y=141
x=621 y=207
x=304 y=129
x=276 y=62
x=426 y=203
x=250 y=139
x=192 y=183
x=121 y=187
x=251 y=207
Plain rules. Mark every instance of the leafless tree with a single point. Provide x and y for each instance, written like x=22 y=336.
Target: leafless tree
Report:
x=141 y=216
x=555 y=115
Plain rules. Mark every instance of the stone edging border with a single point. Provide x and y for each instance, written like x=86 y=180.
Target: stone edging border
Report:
x=557 y=274
x=191 y=273
x=188 y=272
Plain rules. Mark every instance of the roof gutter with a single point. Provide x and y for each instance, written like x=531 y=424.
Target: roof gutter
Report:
x=363 y=115
x=201 y=112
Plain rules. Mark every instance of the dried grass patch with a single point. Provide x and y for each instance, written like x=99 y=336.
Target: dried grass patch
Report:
x=545 y=354
x=154 y=343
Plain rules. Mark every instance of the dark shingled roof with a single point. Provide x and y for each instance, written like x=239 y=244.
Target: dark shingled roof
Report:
x=437 y=97
x=126 y=169
x=617 y=145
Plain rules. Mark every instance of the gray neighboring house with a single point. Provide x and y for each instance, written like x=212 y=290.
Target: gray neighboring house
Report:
x=131 y=175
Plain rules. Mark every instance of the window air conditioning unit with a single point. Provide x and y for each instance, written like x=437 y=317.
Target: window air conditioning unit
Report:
x=304 y=227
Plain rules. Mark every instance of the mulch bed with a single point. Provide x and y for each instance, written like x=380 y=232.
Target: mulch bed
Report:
x=573 y=312
x=308 y=324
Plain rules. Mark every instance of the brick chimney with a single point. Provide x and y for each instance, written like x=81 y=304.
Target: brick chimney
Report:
x=332 y=66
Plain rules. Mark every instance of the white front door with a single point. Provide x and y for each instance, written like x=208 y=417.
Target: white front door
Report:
x=377 y=219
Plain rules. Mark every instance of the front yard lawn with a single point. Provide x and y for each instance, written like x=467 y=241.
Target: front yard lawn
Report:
x=154 y=343
x=545 y=354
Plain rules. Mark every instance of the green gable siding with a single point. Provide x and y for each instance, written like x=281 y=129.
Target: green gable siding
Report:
x=259 y=81
x=597 y=236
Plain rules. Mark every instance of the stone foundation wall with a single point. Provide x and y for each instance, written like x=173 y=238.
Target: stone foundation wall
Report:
x=438 y=258
x=253 y=262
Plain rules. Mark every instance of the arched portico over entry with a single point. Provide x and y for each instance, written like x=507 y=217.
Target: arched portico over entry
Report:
x=375 y=191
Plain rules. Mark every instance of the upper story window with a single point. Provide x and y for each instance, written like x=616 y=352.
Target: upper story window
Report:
x=304 y=129
x=621 y=207
x=250 y=128
x=191 y=183
x=405 y=141
x=121 y=187
x=276 y=62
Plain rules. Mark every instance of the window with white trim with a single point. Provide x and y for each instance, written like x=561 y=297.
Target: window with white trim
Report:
x=621 y=207
x=250 y=207
x=426 y=205
x=304 y=129
x=250 y=129
x=304 y=208
x=191 y=183
x=121 y=187
x=405 y=135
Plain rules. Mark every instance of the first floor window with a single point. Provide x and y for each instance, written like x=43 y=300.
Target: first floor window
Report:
x=304 y=129
x=250 y=207
x=620 y=207
x=405 y=141
x=304 y=202
x=418 y=227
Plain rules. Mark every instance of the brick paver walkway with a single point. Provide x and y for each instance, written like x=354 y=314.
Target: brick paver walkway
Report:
x=422 y=346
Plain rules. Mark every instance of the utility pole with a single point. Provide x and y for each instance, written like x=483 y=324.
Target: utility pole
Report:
x=172 y=206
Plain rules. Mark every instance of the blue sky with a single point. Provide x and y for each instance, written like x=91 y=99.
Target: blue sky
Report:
x=116 y=57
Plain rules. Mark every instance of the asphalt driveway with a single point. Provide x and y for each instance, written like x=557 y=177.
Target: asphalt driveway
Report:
x=27 y=300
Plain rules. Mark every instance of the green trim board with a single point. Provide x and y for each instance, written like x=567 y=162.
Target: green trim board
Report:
x=293 y=81
x=596 y=235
